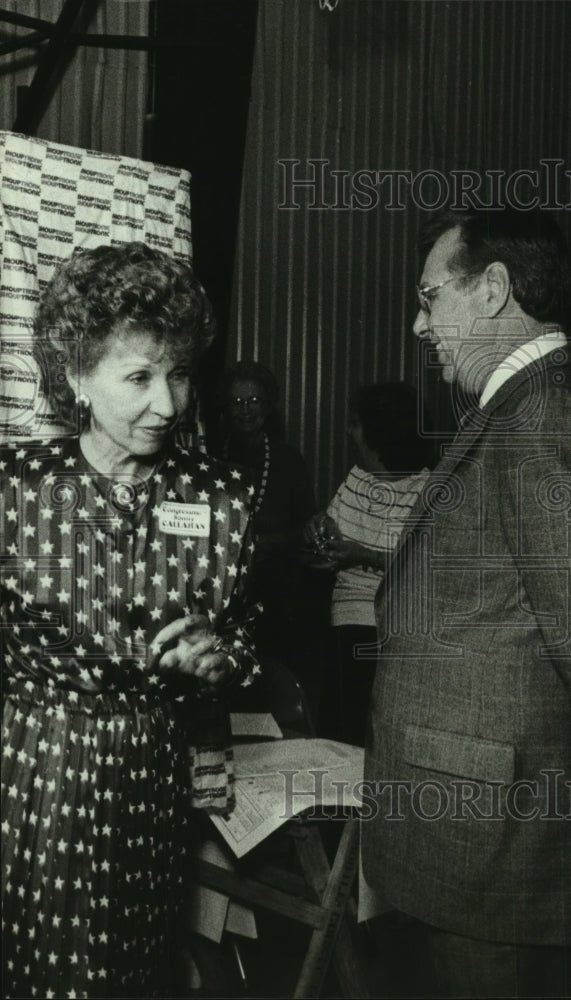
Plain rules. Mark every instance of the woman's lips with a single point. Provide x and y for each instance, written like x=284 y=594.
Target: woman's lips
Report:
x=155 y=431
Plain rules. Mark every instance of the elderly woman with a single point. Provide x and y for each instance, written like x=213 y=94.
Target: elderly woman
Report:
x=125 y=561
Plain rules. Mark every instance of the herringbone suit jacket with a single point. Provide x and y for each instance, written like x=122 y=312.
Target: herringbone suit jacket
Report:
x=471 y=706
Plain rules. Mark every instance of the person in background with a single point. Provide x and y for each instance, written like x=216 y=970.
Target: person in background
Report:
x=125 y=617
x=291 y=628
x=354 y=539
x=469 y=746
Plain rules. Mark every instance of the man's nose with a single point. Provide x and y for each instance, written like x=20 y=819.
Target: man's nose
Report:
x=421 y=325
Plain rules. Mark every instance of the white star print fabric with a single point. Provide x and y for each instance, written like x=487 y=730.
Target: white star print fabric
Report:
x=100 y=749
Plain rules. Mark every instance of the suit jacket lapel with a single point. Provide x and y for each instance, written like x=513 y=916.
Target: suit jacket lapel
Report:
x=475 y=421
x=470 y=429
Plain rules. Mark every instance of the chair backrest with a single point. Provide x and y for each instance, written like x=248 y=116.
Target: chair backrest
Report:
x=286 y=698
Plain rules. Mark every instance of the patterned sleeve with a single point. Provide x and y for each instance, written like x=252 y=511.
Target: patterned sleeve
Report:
x=10 y=518
x=221 y=566
x=236 y=623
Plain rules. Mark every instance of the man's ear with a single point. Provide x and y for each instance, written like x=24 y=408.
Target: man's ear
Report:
x=498 y=287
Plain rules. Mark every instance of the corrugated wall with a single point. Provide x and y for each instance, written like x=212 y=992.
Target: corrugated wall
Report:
x=325 y=296
x=101 y=100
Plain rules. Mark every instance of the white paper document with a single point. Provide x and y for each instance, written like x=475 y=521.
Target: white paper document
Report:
x=254 y=724
x=277 y=781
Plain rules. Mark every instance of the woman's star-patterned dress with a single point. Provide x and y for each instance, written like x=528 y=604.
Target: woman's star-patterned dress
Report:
x=100 y=749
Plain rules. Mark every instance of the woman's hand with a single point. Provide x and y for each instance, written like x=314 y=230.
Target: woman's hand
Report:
x=193 y=650
x=318 y=530
x=343 y=554
x=318 y=534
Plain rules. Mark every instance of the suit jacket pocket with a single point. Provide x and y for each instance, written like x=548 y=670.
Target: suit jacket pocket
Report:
x=458 y=755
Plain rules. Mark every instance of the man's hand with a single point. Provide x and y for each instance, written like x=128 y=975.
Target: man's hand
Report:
x=193 y=650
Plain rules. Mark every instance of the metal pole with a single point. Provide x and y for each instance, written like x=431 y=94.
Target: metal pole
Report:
x=50 y=67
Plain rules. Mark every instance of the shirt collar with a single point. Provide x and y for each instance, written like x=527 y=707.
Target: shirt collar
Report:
x=523 y=356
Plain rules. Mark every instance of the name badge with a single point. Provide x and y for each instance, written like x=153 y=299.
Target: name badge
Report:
x=185 y=519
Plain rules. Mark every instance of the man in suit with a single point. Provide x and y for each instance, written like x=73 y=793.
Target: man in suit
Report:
x=469 y=742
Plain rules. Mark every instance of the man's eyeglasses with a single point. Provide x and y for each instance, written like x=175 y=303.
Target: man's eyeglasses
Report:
x=427 y=293
x=237 y=402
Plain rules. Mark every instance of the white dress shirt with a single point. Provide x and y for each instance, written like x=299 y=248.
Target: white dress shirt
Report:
x=521 y=358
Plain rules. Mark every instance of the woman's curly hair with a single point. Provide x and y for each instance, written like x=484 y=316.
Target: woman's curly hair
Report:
x=96 y=291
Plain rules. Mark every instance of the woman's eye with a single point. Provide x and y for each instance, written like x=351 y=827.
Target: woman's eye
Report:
x=139 y=378
x=180 y=374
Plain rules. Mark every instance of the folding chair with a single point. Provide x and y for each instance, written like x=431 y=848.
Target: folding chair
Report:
x=289 y=874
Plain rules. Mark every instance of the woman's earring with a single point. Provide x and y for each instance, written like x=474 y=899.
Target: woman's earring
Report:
x=84 y=409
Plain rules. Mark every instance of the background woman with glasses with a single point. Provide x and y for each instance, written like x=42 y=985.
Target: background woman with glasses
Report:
x=251 y=434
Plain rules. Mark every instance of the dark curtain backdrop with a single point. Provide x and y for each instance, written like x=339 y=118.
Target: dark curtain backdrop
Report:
x=325 y=296
x=201 y=95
